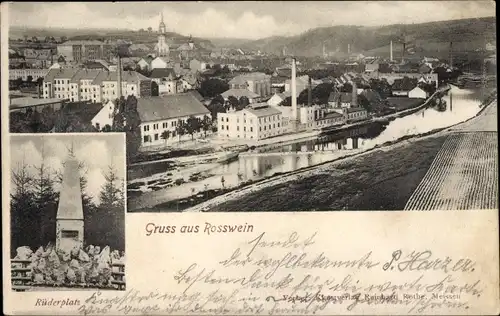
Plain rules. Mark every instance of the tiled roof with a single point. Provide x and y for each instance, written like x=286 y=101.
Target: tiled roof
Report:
x=333 y=97
x=196 y=94
x=357 y=109
x=263 y=111
x=85 y=74
x=333 y=115
x=345 y=97
x=238 y=93
x=162 y=73
x=405 y=84
x=169 y=107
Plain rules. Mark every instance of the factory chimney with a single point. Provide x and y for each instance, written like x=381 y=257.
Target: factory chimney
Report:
x=349 y=49
x=354 y=102
x=309 y=92
x=294 y=90
x=391 y=51
x=119 y=78
x=451 y=55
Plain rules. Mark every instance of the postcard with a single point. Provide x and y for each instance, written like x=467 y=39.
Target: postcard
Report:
x=250 y=158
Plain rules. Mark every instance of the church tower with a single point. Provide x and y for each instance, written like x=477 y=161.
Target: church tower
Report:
x=69 y=220
x=162 y=48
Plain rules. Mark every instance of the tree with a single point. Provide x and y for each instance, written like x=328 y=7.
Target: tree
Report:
x=347 y=87
x=63 y=39
x=180 y=129
x=212 y=87
x=244 y=101
x=216 y=106
x=206 y=124
x=109 y=196
x=364 y=103
x=233 y=101
x=155 y=90
x=46 y=201
x=23 y=209
x=193 y=125
x=29 y=79
x=150 y=29
x=165 y=135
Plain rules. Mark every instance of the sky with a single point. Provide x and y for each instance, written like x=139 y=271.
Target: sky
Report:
x=245 y=19
x=97 y=152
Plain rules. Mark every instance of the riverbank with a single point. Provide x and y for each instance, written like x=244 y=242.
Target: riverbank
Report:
x=417 y=151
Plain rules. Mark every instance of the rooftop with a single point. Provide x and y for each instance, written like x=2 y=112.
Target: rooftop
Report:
x=263 y=111
x=82 y=42
x=24 y=102
x=169 y=107
x=238 y=93
x=162 y=73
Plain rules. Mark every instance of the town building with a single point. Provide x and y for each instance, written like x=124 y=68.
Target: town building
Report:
x=161 y=62
x=238 y=93
x=196 y=65
x=167 y=81
x=302 y=83
x=277 y=98
x=401 y=87
x=25 y=73
x=145 y=62
x=79 y=51
x=255 y=122
x=93 y=85
x=256 y=82
x=105 y=116
x=164 y=114
x=418 y=93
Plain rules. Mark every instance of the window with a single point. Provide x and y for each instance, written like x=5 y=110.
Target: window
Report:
x=238 y=128
x=278 y=124
x=146 y=128
x=244 y=129
x=146 y=139
x=155 y=126
x=156 y=136
x=98 y=126
x=251 y=129
x=222 y=127
x=227 y=119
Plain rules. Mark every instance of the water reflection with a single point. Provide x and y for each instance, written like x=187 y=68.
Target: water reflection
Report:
x=276 y=159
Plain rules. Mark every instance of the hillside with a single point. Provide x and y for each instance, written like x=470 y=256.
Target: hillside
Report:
x=466 y=34
x=136 y=37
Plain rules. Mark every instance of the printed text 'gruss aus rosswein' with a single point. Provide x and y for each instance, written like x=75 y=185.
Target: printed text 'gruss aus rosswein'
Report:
x=208 y=228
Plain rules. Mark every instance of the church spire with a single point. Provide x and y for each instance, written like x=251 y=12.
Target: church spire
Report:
x=162 y=28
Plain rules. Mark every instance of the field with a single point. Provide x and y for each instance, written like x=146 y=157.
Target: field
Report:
x=464 y=175
x=378 y=180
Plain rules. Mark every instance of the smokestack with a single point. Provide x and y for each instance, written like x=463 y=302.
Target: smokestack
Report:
x=309 y=92
x=294 y=91
x=391 y=51
x=119 y=77
x=349 y=48
x=354 y=101
x=451 y=55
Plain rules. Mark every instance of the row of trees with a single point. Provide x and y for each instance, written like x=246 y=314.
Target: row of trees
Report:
x=191 y=126
x=34 y=202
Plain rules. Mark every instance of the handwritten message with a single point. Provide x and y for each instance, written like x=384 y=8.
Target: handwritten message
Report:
x=266 y=276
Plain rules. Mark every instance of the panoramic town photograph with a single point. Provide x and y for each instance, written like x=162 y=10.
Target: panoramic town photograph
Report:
x=271 y=106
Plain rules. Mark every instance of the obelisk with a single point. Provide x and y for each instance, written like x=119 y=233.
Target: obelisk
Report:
x=69 y=220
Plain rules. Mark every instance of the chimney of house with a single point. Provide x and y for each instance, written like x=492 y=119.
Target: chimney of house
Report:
x=309 y=92
x=354 y=102
x=119 y=77
x=294 y=91
x=391 y=50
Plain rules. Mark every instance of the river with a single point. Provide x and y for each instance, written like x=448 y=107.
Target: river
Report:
x=271 y=160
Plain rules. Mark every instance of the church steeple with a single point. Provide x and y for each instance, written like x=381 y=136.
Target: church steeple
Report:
x=162 y=29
